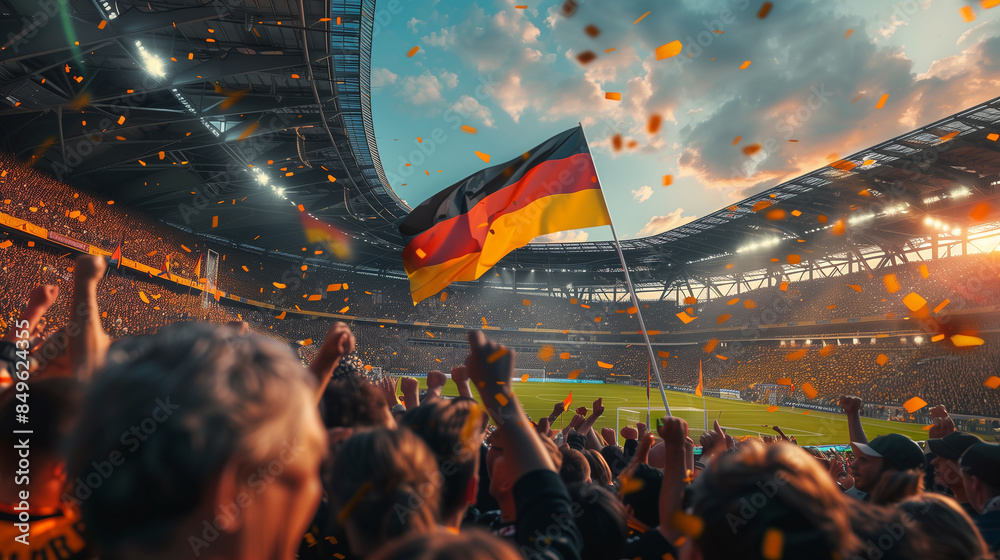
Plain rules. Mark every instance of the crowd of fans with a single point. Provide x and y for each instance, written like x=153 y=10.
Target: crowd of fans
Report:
x=207 y=440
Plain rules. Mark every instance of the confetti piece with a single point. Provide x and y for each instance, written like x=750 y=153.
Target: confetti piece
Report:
x=765 y=9
x=668 y=180
x=653 y=124
x=773 y=544
x=963 y=340
x=793 y=259
x=142 y=296
x=632 y=310
x=668 y=50
x=761 y=204
x=121 y=119
x=592 y=31
x=500 y=353
x=838 y=228
x=776 y=214
x=412 y=52
x=690 y=525
x=882 y=359
x=980 y=211
x=597 y=319
x=573 y=301
x=613 y=95
x=783 y=286
x=913 y=301
x=568 y=8
x=749 y=304
x=848 y=33
x=526 y=301
x=745 y=65
x=733 y=301
x=751 y=149
x=279 y=285
x=685 y=317
x=914 y=404
x=575 y=373
x=333 y=287
x=967 y=15
x=521 y=7
x=604 y=365
x=993 y=137
x=630 y=485
x=891 y=283
x=215 y=221
x=809 y=390
x=6 y=244
x=710 y=345
x=992 y=382
x=546 y=352
x=500 y=398
x=609 y=50
x=586 y=57
x=796 y=355
x=642 y=17
x=882 y=100
x=482 y=156
x=937 y=338
x=855 y=287
x=772 y=409
x=723 y=318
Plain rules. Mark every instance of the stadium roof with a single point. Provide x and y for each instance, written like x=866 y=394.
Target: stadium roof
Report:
x=171 y=108
x=246 y=83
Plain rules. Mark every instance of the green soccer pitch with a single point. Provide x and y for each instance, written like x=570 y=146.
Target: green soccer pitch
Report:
x=738 y=418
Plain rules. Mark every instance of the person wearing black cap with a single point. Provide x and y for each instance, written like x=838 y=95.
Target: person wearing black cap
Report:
x=892 y=452
x=981 y=474
x=946 y=452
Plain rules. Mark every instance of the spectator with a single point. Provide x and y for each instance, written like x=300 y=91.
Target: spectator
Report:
x=981 y=475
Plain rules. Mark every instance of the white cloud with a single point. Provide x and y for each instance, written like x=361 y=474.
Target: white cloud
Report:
x=413 y=23
x=424 y=89
x=469 y=107
x=450 y=79
x=382 y=77
x=660 y=224
x=444 y=38
x=570 y=236
x=643 y=193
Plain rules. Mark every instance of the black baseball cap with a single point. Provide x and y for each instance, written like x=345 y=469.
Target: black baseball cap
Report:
x=898 y=450
x=952 y=445
x=982 y=461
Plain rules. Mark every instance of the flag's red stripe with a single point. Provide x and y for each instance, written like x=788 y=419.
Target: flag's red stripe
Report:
x=465 y=233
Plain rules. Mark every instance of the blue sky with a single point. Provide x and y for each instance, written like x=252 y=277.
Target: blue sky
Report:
x=513 y=75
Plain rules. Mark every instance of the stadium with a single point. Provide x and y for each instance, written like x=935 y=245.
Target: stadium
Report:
x=189 y=145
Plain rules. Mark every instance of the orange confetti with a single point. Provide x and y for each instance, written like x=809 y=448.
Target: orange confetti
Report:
x=809 y=390
x=783 y=286
x=546 y=352
x=215 y=221
x=668 y=50
x=690 y=300
x=749 y=304
x=992 y=382
x=849 y=33
x=751 y=149
x=963 y=340
x=710 y=345
x=685 y=317
x=723 y=318
x=914 y=404
x=613 y=95
x=838 y=228
x=412 y=52
x=526 y=301
x=793 y=259
x=765 y=9
x=482 y=156
x=967 y=15
x=941 y=306
x=980 y=211
x=653 y=125
x=690 y=525
x=121 y=119
x=993 y=137
x=575 y=373
x=745 y=65
x=772 y=408
x=761 y=204
x=882 y=359
x=772 y=547
x=643 y=16
x=632 y=310
x=855 y=287
x=500 y=353
x=279 y=285
x=604 y=365
x=891 y=283
x=796 y=355
x=882 y=100
x=733 y=301
x=668 y=180
x=776 y=214
x=913 y=301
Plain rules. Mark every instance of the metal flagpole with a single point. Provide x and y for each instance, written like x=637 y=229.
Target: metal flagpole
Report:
x=631 y=290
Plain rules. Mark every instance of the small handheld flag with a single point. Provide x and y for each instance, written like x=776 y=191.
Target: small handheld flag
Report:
x=331 y=238
x=116 y=256
x=699 y=390
x=568 y=400
x=461 y=232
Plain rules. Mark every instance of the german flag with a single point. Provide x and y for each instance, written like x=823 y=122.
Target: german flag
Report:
x=330 y=238
x=462 y=231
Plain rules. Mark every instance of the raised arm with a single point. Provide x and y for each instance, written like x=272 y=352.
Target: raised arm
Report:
x=460 y=375
x=338 y=343
x=88 y=343
x=852 y=408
